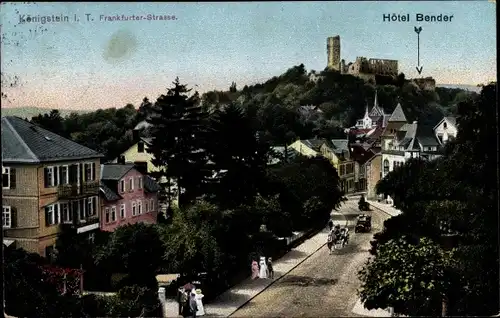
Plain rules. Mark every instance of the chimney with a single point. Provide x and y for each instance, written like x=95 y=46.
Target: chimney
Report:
x=135 y=135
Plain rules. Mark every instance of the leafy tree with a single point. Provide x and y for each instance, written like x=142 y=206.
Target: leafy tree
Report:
x=412 y=278
x=52 y=121
x=133 y=249
x=75 y=252
x=241 y=158
x=449 y=204
x=298 y=182
x=192 y=234
x=178 y=141
x=145 y=109
x=232 y=88
x=29 y=293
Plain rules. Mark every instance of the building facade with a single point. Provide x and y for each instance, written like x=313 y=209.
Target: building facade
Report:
x=49 y=182
x=373 y=175
x=127 y=197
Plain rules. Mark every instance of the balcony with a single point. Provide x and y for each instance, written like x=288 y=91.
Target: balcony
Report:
x=393 y=152
x=90 y=223
x=75 y=191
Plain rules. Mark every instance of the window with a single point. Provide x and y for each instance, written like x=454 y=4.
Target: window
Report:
x=386 y=166
x=113 y=213
x=445 y=126
x=122 y=186
x=67 y=217
x=88 y=172
x=5 y=178
x=140 y=147
x=64 y=175
x=6 y=217
x=90 y=206
x=50 y=215
x=131 y=184
x=107 y=215
x=122 y=211
x=134 y=211
x=139 y=182
x=151 y=205
x=139 y=207
x=146 y=206
x=49 y=177
x=82 y=207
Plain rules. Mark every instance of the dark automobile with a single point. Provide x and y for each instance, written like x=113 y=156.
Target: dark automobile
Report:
x=363 y=224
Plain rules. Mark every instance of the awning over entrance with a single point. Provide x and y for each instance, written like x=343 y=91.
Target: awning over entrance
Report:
x=7 y=242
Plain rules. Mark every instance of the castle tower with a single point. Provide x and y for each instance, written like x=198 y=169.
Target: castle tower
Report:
x=333 y=51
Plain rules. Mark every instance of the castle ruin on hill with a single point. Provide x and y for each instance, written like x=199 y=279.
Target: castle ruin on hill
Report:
x=364 y=68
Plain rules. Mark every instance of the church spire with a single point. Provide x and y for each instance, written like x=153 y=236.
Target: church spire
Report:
x=375 y=104
x=366 y=111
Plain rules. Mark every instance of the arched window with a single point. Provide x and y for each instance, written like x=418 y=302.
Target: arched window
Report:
x=386 y=166
x=445 y=125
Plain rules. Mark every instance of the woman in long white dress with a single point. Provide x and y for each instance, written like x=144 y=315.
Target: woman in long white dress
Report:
x=199 y=303
x=263 y=268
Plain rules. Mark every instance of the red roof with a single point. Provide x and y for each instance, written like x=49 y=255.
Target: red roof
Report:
x=359 y=154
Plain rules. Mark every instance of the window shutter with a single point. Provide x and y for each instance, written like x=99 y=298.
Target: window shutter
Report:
x=61 y=177
x=56 y=214
x=71 y=174
x=93 y=171
x=47 y=223
x=82 y=207
x=46 y=177
x=56 y=175
x=12 y=178
x=94 y=205
x=82 y=173
x=13 y=217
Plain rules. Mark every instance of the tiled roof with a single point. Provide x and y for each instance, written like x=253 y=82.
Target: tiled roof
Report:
x=398 y=114
x=24 y=142
x=426 y=137
x=109 y=194
x=114 y=171
x=340 y=145
x=360 y=154
x=314 y=144
x=151 y=185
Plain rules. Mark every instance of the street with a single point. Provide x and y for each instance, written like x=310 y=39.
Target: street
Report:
x=323 y=285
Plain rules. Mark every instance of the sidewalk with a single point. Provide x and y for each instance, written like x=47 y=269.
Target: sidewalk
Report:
x=234 y=298
x=359 y=309
x=387 y=208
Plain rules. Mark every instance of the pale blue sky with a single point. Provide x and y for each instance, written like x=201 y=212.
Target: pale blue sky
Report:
x=213 y=44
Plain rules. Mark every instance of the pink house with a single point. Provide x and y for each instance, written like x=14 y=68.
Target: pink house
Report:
x=127 y=196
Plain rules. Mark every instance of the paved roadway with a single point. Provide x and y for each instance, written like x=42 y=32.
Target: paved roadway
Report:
x=323 y=285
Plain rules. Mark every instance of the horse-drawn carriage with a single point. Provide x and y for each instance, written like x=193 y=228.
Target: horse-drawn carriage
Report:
x=337 y=238
x=363 y=224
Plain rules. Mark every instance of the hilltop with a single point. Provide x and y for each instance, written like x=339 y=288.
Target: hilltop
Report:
x=29 y=112
x=342 y=98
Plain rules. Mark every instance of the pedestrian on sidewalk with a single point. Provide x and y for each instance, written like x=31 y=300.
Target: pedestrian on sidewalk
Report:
x=255 y=270
x=270 y=267
x=193 y=305
x=186 y=310
x=330 y=224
